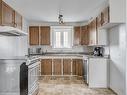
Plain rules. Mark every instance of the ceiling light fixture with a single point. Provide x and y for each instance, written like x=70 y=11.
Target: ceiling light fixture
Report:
x=60 y=18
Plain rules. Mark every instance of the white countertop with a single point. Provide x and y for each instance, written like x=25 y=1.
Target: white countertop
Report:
x=13 y=58
x=51 y=56
x=68 y=56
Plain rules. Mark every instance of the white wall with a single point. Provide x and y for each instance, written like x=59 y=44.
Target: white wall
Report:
x=117 y=58
x=12 y=46
x=126 y=47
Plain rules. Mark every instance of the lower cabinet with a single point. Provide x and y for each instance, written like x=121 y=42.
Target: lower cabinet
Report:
x=98 y=73
x=46 y=67
x=62 y=67
x=77 y=67
x=57 y=67
x=67 y=66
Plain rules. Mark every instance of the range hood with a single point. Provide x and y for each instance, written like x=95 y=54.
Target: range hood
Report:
x=11 y=31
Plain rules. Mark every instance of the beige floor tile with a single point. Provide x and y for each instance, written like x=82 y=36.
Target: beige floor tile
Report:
x=68 y=86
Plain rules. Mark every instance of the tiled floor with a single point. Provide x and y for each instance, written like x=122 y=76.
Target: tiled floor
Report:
x=66 y=86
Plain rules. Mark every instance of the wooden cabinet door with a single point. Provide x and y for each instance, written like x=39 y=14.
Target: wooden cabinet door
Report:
x=57 y=67
x=93 y=33
x=34 y=35
x=90 y=34
x=77 y=67
x=80 y=67
x=77 y=35
x=7 y=15
x=67 y=66
x=45 y=35
x=46 y=67
x=99 y=21
x=84 y=35
x=74 y=67
x=105 y=16
x=18 y=20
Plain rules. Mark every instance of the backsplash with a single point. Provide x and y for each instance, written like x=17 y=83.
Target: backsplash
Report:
x=74 y=49
x=13 y=46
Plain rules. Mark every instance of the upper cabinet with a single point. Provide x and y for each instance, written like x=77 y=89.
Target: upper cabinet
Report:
x=114 y=14
x=18 y=20
x=117 y=11
x=45 y=35
x=97 y=36
x=105 y=16
x=84 y=35
x=39 y=35
x=9 y=17
x=99 y=21
x=34 y=35
x=81 y=35
x=77 y=35
x=92 y=33
x=102 y=34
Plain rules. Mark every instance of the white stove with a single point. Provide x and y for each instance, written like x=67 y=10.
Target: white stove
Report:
x=33 y=75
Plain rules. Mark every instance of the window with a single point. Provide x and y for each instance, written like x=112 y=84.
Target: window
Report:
x=62 y=36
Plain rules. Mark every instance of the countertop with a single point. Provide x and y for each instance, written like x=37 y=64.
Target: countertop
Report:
x=51 y=55
x=13 y=58
x=68 y=55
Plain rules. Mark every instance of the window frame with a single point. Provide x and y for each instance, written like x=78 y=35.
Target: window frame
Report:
x=52 y=37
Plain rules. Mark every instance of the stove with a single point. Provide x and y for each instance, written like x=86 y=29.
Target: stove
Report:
x=33 y=64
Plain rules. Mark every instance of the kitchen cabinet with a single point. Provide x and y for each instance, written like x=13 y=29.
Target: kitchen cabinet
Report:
x=80 y=67
x=105 y=16
x=97 y=36
x=18 y=20
x=57 y=67
x=67 y=66
x=81 y=35
x=6 y=14
x=34 y=35
x=46 y=67
x=62 y=67
x=77 y=35
x=98 y=72
x=45 y=35
x=9 y=17
x=92 y=33
x=77 y=67
x=99 y=21
x=114 y=14
x=84 y=35
x=39 y=35
x=102 y=34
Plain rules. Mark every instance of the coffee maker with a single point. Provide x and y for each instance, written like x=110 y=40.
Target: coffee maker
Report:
x=98 y=51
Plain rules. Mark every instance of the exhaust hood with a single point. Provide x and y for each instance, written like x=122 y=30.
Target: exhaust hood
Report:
x=11 y=31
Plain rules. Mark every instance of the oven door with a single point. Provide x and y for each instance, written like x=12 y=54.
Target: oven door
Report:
x=33 y=80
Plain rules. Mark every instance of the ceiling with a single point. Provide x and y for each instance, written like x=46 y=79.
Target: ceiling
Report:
x=48 y=10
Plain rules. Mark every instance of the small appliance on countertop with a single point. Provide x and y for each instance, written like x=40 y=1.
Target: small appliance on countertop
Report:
x=98 y=51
